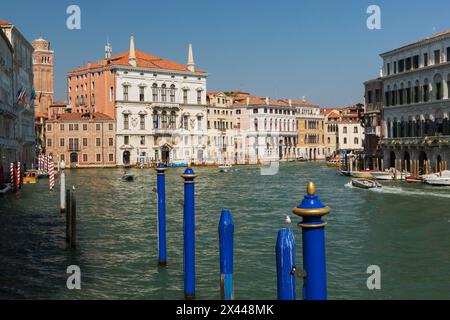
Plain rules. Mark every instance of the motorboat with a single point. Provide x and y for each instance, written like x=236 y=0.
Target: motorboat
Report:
x=225 y=168
x=30 y=177
x=128 y=177
x=438 y=179
x=301 y=159
x=5 y=188
x=365 y=183
x=382 y=175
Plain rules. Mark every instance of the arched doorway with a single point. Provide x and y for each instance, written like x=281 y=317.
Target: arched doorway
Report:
x=406 y=159
x=280 y=150
x=315 y=154
x=165 y=154
x=200 y=155
x=126 y=158
x=73 y=158
x=422 y=159
x=392 y=160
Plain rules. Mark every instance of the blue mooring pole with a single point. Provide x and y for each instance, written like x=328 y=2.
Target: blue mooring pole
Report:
x=161 y=186
x=189 y=233
x=311 y=210
x=226 y=234
x=285 y=253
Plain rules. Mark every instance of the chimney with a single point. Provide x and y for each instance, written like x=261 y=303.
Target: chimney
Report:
x=248 y=100
x=190 y=64
x=303 y=98
x=267 y=100
x=290 y=103
x=132 y=55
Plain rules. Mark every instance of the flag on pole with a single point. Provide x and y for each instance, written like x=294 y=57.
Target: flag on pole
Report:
x=20 y=94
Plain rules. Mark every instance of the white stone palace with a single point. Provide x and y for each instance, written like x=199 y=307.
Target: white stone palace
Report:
x=159 y=105
x=160 y=109
x=416 y=80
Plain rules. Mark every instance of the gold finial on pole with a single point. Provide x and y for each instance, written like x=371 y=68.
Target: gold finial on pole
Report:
x=311 y=188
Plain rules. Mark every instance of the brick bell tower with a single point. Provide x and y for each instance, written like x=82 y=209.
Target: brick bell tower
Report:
x=43 y=85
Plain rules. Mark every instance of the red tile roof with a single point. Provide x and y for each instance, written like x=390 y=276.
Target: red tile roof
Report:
x=213 y=93
x=257 y=101
x=4 y=22
x=143 y=60
x=77 y=116
x=305 y=103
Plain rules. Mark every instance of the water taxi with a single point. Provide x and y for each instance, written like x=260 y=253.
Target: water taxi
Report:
x=225 y=168
x=365 y=183
x=438 y=179
x=30 y=176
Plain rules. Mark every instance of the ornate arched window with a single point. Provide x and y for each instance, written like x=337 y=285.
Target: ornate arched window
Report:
x=163 y=93
x=417 y=92
x=438 y=89
x=172 y=93
x=164 y=119
x=155 y=119
x=155 y=92
x=172 y=120
x=426 y=91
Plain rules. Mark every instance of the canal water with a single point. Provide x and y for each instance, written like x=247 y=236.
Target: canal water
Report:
x=403 y=229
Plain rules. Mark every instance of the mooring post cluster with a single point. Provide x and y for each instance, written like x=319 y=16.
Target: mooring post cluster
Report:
x=225 y=230
x=314 y=274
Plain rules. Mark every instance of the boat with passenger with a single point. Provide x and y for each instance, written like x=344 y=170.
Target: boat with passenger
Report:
x=365 y=183
x=226 y=167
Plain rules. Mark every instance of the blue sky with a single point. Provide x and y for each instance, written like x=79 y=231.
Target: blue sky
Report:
x=318 y=49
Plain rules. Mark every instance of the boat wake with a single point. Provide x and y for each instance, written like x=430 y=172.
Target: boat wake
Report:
x=349 y=185
x=402 y=191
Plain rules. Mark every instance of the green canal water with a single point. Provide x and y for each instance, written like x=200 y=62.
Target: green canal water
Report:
x=404 y=229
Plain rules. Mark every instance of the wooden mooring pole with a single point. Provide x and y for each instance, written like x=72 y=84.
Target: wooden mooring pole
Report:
x=71 y=218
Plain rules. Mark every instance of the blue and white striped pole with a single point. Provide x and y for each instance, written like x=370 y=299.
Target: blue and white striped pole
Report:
x=311 y=210
x=189 y=233
x=226 y=234
x=285 y=253
x=161 y=186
